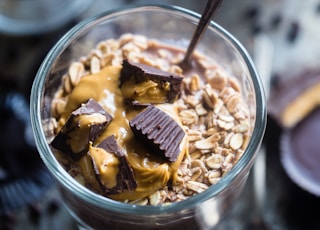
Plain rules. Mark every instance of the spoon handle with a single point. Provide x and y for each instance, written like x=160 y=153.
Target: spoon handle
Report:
x=210 y=9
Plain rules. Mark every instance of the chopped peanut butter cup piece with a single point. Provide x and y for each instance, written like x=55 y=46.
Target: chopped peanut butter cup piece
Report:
x=159 y=131
x=84 y=125
x=146 y=84
x=111 y=167
x=292 y=100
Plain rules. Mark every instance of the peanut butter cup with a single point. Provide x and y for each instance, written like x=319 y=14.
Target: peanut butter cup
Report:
x=114 y=174
x=300 y=152
x=147 y=84
x=295 y=104
x=85 y=123
x=159 y=131
x=295 y=98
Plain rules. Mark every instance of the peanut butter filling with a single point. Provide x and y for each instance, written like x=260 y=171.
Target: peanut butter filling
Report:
x=300 y=107
x=145 y=92
x=77 y=142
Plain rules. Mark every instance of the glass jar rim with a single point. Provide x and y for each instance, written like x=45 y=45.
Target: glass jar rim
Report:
x=117 y=206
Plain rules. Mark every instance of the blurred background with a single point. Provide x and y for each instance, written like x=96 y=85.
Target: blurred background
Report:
x=281 y=34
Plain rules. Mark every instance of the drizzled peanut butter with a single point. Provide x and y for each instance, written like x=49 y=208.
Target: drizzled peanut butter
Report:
x=107 y=164
x=151 y=172
x=76 y=140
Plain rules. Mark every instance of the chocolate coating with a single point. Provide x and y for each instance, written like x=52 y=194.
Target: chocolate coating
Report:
x=301 y=152
x=60 y=142
x=143 y=72
x=125 y=177
x=288 y=91
x=159 y=131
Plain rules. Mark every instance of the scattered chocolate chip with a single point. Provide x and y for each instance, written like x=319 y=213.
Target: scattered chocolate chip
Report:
x=73 y=129
x=158 y=130
x=125 y=177
x=293 y=32
x=139 y=73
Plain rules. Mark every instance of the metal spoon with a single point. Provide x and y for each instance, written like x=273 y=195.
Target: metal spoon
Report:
x=209 y=11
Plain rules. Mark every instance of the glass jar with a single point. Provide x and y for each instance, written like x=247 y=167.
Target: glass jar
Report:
x=175 y=26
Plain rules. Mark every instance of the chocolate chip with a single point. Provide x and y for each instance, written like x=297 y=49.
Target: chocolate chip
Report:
x=159 y=131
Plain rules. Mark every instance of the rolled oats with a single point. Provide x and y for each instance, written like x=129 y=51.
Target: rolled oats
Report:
x=175 y=69
x=192 y=100
x=67 y=85
x=214 y=176
x=198 y=163
x=76 y=71
x=241 y=128
x=227 y=139
x=195 y=82
x=196 y=173
x=217 y=79
x=207 y=143
x=143 y=201
x=234 y=83
x=236 y=141
x=94 y=65
x=218 y=106
x=200 y=110
x=196 y=155
x=58 y=106
x=155 y=198
x=214 y=161
x=209 y=95
x=197 y=187
x=229 y=159
x=194 y=135
x=188 y=117
x=210 y=131
x=211 y=110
